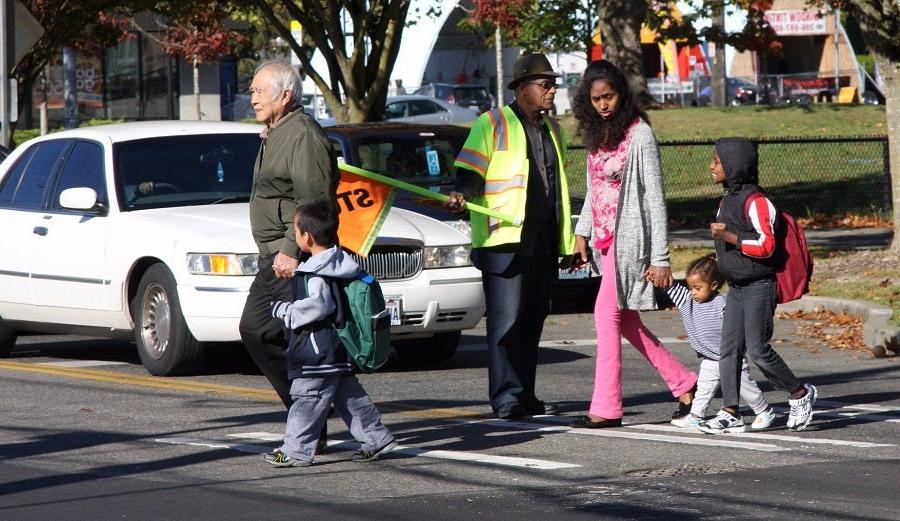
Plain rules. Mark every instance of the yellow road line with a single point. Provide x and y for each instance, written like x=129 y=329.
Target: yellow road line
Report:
x=172 y=384
x=155 y=382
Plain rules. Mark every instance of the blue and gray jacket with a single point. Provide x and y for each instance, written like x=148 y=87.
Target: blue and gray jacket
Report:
x=314 y=350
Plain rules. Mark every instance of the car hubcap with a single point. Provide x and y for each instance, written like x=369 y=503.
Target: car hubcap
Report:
x=155 y=316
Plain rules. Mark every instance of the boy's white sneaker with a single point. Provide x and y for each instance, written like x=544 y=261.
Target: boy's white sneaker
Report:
x=802 y=409
x=688 y=421
x=764 y=419
x=723 y=423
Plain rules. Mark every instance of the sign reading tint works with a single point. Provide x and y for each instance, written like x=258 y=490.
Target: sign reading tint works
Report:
x=797 y=22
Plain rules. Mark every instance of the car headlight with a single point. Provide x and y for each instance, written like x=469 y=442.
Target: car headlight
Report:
x=222 y=263
x=463 y=227
x=447 y=256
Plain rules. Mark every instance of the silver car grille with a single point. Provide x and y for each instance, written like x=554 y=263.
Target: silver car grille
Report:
x=392 y=262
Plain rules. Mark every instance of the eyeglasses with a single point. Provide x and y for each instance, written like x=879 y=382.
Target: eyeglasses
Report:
x=546 y=84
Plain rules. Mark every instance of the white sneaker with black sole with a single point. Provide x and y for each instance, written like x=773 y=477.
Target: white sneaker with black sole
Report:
x=723 y=423
x=802 y=409
x=764 y=420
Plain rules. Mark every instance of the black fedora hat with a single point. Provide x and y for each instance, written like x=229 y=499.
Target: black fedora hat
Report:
x=531 y=66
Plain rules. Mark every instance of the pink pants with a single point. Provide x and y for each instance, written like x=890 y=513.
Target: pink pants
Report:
x=612 y=324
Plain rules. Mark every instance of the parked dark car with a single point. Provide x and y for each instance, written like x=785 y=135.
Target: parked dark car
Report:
x=405 y=151
x=3 y=152
x=465 y=94
x=738 y=91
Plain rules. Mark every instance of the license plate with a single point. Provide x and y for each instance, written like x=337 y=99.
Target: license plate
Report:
x=581 y=273
x=394 y=306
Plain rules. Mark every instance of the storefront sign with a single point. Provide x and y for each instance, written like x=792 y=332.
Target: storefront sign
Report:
x=88 y=82
x=786 y=23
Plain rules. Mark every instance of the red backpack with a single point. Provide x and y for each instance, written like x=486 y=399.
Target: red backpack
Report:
x=794 y=264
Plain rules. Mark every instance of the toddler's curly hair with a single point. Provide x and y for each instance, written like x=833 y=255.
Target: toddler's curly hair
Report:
x=707 y=268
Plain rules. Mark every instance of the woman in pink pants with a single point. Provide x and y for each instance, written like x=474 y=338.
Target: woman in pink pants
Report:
x=624 y=219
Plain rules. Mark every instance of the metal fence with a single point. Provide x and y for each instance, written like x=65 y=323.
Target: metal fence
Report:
x=804 y=176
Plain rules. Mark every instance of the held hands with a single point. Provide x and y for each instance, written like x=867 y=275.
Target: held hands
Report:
x=284 y=266
x=659 y=276
x=582 y=253
x=456 y=202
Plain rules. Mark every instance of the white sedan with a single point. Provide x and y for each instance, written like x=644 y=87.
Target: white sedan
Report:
x=141 y=230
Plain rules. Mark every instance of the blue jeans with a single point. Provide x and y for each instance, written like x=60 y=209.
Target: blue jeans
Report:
x=746 y=329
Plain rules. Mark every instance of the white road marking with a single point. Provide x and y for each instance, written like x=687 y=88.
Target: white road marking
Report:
x=708 y=441
x=764 y=436
x=83 y=363
x=579 y=342
x=486 y=459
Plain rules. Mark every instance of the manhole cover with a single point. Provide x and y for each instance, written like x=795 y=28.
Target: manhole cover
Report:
x=686 y=470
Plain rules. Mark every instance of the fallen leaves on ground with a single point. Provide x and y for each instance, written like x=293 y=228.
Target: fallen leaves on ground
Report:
x=836 y=330
x=817 y=221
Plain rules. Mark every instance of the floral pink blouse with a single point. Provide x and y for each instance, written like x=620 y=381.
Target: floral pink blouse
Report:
x=605 y=169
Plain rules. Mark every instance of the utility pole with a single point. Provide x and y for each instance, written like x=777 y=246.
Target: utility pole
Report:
x=837 y=52
x=6 y=33
x=498 y=44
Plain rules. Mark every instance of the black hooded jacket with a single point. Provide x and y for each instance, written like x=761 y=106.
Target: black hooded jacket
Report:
x=740 y=161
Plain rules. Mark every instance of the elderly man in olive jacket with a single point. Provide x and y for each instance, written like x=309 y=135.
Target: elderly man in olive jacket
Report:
x=295 y=164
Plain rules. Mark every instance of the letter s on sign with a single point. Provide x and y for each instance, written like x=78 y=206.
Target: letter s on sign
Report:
x=363 y=199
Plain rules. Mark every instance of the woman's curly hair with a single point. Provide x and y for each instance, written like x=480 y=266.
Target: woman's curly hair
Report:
x=600 y=133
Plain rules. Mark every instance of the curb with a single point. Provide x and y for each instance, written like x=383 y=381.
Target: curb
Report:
x=877 y=334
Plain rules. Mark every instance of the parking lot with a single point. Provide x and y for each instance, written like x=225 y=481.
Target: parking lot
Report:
x=87 y=432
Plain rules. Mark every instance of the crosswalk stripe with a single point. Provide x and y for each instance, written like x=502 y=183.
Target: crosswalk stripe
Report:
x=578 y=342
x=473 y=457
x=765 y=436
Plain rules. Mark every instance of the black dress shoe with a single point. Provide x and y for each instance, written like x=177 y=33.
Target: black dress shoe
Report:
x=511 y=411
x=585 y=422
x=538 y=408
x=685 y=408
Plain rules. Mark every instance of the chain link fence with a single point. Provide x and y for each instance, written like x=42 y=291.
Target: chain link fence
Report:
x=805 y=176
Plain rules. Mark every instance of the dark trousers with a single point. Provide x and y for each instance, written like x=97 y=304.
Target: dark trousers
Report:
x=746 y=329
x=517 y=301
x=264 y=336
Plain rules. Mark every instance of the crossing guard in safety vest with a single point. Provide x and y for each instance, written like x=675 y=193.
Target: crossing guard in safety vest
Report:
x=513 y=162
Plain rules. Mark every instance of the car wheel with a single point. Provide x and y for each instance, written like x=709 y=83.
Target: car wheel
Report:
x=7 y=339
x=164 y=343
x=429 y=351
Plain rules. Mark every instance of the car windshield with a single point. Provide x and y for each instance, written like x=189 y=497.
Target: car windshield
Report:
x=184 y=170
x=423 y=161
x=465 y=95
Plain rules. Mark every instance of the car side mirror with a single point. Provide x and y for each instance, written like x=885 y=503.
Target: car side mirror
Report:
x=81 y=198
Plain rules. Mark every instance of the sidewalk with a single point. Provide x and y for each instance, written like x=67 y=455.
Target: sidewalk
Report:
x=877 y=333
x=832 y=239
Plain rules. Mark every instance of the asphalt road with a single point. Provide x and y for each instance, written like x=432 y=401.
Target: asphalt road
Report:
x=86 y=434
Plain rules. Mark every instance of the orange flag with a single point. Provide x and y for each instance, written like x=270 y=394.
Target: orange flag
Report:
x=364 y=206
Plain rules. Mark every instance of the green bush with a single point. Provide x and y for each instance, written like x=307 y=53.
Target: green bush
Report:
x=21 y=136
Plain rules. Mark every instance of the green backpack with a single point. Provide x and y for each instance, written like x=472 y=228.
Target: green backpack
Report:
x=362 y=322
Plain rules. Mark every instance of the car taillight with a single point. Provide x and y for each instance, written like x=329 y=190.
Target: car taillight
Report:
x=451 y=99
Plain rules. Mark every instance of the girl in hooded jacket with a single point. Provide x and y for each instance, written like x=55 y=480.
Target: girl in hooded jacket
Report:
x=624 y=223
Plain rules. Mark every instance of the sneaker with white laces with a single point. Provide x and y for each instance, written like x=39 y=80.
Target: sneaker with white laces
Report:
x=687 y=422
x=764 y=419
x=723 y=423
x=370 y=455
x=277 y=458
x=802 y=409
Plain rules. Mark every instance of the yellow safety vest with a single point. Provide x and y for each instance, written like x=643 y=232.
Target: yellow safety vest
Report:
x=497 y=149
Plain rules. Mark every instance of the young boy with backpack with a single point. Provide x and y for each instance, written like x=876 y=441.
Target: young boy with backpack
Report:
x=745 y=239
x=319 y=366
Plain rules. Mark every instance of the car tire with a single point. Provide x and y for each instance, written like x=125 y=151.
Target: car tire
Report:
x=429 y=351
x=7 y=339
x=164 y=343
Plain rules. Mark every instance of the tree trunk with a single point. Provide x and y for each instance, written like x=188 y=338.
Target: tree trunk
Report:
x=890 y=73
x=717 y=82
x=620 y=26
x=498 y=48
x=197 y=88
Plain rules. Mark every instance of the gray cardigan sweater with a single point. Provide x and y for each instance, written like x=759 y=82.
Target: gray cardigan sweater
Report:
x=641 y=233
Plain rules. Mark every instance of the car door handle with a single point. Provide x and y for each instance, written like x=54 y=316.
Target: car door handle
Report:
x=40 y=230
